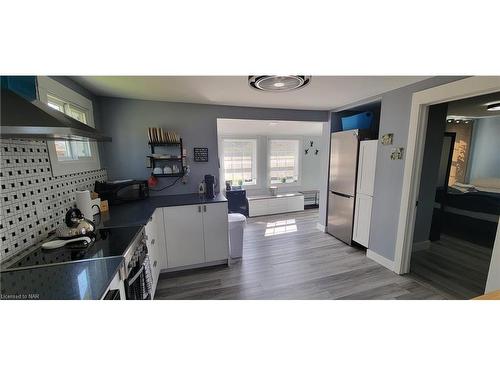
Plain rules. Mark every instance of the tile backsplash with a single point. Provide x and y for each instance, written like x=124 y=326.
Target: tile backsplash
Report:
x=33 y=202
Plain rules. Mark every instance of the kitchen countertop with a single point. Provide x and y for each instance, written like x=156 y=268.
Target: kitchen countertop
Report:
x=77 y=280
x=139 y=212
x=284 y=195
x=89 y=279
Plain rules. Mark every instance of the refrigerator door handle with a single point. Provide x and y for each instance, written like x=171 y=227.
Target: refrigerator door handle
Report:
x=342 y=195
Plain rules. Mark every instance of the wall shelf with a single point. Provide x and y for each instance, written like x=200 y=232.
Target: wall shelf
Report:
x=154 y=160
x=165 y=143
x=180 y=174
x=166 y=159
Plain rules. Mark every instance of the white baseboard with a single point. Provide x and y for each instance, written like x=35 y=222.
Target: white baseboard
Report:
x=422 y=245
x=380 y=259
x=321 y=227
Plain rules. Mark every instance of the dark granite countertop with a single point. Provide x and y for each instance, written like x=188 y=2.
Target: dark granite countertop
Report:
x=89 y=279
x=138 y=212
x=77 y=280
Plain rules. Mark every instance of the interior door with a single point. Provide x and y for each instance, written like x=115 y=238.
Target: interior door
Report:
x=160 y=238
x=340 y=216
x=366 y=167
x=184 y=235
x=215 y=231
x=362 y=219
x=343 y=161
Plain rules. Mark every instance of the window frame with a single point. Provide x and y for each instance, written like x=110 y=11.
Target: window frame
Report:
x=49 y=87
x=255 y=159
x=299 y=162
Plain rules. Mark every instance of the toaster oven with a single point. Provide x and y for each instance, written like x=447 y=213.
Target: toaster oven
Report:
x=116 y=192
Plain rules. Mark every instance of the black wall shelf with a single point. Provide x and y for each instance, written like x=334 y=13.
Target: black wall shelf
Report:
x=158 y=161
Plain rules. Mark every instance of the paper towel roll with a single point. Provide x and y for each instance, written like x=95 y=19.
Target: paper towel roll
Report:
x=84 y=204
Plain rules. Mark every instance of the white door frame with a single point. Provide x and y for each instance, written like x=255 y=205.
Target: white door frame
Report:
x=421 y=101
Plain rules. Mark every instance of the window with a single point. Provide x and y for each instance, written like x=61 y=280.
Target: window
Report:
x=283 y=161
x=69 y=156
x=70 y=150
x=240 y=164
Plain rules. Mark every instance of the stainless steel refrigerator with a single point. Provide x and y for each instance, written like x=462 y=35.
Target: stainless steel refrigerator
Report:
x=344 y=148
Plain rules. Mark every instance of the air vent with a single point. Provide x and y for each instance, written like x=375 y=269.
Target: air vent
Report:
x=278 y=83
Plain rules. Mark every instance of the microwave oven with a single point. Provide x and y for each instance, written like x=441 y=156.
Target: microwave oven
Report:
x=116 y=192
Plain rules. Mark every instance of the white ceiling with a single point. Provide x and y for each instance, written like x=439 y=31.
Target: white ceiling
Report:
x=269 y=128
x=323 y=93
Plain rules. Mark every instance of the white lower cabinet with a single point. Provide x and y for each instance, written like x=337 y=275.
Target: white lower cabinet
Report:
x=362 y=219
x=156 y=245
x=184 y=235
x=275 y=205
x=196 y=234
x=215 y=231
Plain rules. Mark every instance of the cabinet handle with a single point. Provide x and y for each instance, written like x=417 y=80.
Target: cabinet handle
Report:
x=204 y=208
x=153 y=241
x=199 y=208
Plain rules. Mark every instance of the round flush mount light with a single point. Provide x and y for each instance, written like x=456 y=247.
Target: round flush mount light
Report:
x=278 y=83
x=493 y=107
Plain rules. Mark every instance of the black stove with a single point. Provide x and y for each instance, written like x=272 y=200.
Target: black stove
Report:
x=108 y=242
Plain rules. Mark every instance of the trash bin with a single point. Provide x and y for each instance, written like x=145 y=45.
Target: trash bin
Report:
x=237 y=223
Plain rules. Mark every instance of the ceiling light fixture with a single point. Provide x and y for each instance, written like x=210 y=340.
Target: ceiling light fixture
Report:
x=278 y=83
x=493 y=107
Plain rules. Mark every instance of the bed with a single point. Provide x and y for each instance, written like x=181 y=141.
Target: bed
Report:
x=470 y=212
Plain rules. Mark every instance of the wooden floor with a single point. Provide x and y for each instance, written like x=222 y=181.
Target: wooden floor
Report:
x=287 y=257
x=457 y=267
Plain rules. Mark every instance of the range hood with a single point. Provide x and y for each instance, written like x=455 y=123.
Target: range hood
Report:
x=21 y=118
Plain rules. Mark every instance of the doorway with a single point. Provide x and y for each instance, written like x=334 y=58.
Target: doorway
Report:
x=459 y=197
x=421 y=103
x=273 y=166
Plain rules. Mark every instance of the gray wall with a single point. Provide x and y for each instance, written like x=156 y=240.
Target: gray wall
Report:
x=485 y=154
x=394 y=118
x=126 y=121
x=430 y=171
x=324 y=175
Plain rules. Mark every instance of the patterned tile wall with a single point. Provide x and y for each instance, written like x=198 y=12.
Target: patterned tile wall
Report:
x=33 y=202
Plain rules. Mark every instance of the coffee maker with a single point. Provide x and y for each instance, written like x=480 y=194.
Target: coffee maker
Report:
x=209 y=186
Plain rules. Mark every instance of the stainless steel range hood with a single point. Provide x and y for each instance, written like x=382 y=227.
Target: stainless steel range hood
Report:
x=21 y=118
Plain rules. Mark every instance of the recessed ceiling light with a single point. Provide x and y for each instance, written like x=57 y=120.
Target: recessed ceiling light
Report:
x=278 y=83
x=493 y=107
x=273 y=124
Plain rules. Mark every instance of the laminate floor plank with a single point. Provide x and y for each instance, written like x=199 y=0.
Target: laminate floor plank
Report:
x=454 y=266
x=287 y=257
